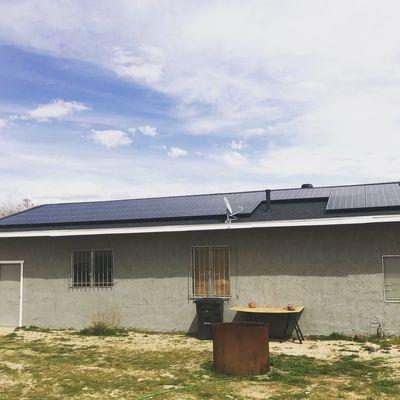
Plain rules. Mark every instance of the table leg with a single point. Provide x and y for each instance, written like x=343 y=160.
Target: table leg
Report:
x=297 y=329
x=284 y=333
x=300 y=332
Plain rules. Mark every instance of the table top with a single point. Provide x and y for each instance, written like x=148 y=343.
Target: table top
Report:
x=267 y=310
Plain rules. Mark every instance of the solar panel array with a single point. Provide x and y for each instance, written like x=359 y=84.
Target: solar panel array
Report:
x=204 y=206
x=137 y=209
x=364 y=196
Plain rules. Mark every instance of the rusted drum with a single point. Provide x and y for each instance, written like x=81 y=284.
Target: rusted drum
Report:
x=241 y=348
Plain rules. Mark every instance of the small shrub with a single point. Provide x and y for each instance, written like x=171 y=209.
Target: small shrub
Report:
x=32 y=328
x=384 y=342
x=332 y=336
x=100 y=328
x=11 y=335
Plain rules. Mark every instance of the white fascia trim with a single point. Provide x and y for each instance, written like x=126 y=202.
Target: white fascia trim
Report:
x=204 y=227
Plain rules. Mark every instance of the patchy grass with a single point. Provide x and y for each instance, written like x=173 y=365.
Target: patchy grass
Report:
x=33 y=328
x=332 y=336
x=384 y=343
x=11 y=335
x=102 y=329
x=62 y=365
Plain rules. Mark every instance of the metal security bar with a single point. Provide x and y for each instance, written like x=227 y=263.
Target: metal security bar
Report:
x=211 y=271
x=92 y=268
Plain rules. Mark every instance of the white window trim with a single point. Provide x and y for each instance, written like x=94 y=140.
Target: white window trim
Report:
x=192 y=296
x=71 y=277
x=383 y=278
x=21 y=286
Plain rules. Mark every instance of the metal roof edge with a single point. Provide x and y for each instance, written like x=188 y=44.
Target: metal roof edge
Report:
x=204 y=227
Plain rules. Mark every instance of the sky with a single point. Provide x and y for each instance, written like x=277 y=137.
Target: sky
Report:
x=106 y=100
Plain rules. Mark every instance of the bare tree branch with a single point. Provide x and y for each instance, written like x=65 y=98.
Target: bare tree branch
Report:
x=9 y=207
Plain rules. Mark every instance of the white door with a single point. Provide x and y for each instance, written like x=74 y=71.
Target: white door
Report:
x=9 y=294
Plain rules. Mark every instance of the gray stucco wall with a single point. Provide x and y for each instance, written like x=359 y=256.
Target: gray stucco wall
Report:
x=334 y=271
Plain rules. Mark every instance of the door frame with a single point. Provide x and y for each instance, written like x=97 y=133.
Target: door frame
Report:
x=21 y=285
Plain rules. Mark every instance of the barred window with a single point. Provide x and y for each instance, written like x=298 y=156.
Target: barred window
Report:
x=210 y=271
x=92 y=268
x=391 y=277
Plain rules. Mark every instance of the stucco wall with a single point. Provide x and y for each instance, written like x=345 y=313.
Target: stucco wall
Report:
x=335 y=272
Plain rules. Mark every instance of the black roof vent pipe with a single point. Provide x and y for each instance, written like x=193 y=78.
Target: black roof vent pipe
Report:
x=268 y=199
x=307 y=186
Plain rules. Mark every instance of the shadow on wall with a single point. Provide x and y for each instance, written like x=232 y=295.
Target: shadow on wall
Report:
x=276 y=323
x=194 y=326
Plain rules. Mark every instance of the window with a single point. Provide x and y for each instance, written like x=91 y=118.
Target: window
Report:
x=210 y=271
x=391 y=277
x=92 y=268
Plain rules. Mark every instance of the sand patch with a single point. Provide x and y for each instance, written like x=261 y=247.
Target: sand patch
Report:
x=331 y=350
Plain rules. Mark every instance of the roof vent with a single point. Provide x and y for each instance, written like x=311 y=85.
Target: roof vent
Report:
x=307 y=186
x=268 y=199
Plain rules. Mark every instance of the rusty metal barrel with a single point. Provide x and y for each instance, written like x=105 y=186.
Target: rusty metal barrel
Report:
x=241 y=348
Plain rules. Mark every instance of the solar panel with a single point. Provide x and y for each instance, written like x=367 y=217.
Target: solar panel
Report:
x=346 y=197
x=364 y=196
x=293 y=194
x=386 y=195
x=286 y=194
x=314 y=193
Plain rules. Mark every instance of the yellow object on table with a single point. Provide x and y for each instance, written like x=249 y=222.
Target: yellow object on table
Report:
x=267 y=310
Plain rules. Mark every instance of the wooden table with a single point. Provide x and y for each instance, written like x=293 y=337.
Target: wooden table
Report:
x=290 y=316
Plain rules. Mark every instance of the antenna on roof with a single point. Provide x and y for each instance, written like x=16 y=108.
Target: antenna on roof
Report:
x=230 y=215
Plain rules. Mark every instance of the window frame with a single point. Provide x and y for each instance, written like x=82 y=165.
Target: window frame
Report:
x=92 y=285
x=192 y=295
x=383 y=278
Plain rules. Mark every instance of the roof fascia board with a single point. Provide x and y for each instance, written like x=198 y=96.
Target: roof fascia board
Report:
x=204 y=227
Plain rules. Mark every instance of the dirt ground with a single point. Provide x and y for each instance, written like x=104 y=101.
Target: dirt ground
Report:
x=63 y=364
x=322 y=350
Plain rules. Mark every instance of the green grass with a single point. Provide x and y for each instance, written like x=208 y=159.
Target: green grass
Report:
x=385 y=343
x=62 y=365
x=332 y=336
x=33 y=328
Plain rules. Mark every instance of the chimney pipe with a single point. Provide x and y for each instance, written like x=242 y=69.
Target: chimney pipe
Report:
x=268 y=199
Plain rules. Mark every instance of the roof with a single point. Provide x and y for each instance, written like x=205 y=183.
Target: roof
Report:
x=286 y=204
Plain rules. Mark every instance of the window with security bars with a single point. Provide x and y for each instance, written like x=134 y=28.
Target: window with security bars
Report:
x=92 y=268
x=211 y=271
x=391 y=277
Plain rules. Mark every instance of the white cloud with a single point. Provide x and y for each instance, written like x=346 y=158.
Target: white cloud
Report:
x=3 y=122
x=45 y=165
x=57 y=109
x=234 y=159
x=148 y=130
x=237 y=145
x=145 y=64
x=175 y=152
x=110 y=138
